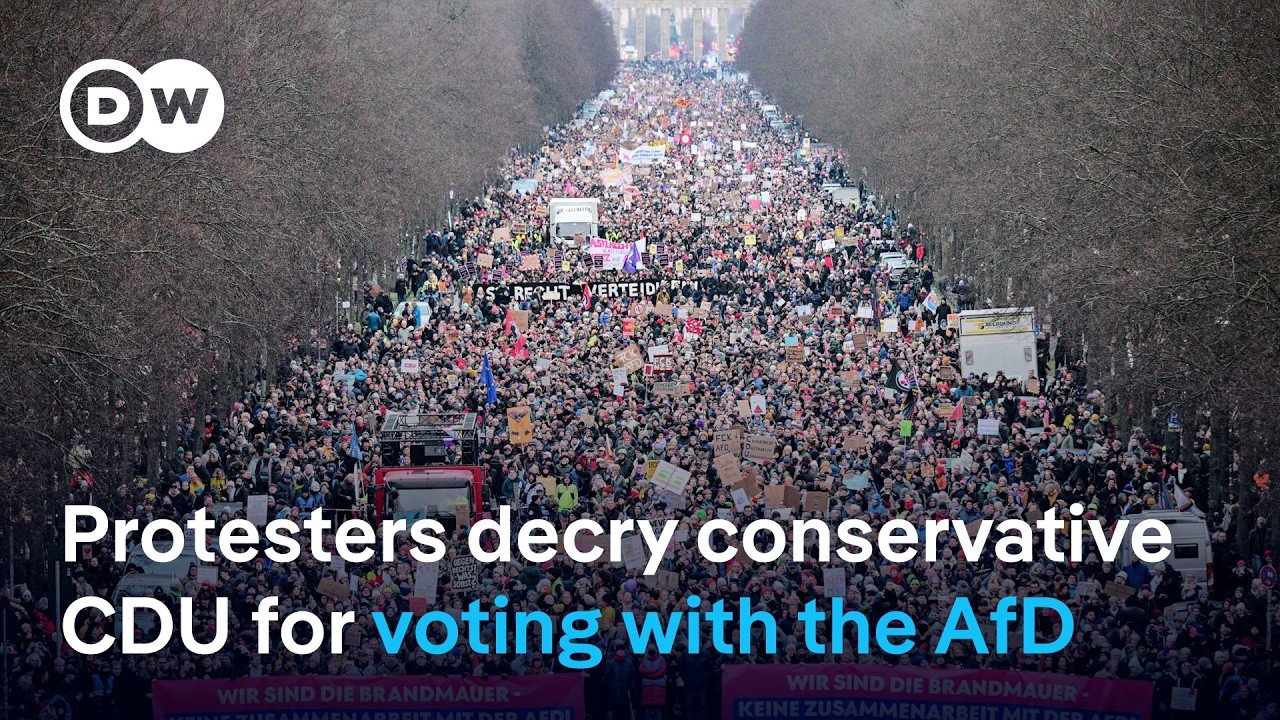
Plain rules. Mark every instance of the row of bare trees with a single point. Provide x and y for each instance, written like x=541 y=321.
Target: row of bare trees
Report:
x=133 y=284
x=1114 y=164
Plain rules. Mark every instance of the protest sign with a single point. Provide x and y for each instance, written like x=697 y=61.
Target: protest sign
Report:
x=665 y=387
x=426 y=581
x=759 y=448
x=816 y=501
x=777 y=497
x=727 y=441
x=834 y=582
x=464 y=573
x=520 y=318
x=633 y=556
x=520 y=425
x=670 y=477
x=255 y=509
x=628 y=359
x=729 y=468
x=988 y=426
x=331 y=588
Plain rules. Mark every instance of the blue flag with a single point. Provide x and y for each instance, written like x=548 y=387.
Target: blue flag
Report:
x=354 y=452
x=486 y=377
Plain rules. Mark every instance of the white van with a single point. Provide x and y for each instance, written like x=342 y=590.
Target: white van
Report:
x=1190 y=551
x=139 y=585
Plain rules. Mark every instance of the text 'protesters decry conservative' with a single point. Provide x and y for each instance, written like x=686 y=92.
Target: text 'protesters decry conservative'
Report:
x=697 y=627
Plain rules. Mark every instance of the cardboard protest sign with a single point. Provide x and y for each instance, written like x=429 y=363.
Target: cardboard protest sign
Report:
x=856 y=443
x=484 y=260
x=744 y=409
x=1119 y=591
x=628 y=359
x=727 y=441
x=729 y=467
x=520 y=318
x=795 y=354
x=665 y=387
x=501 y=235
x=750 y=483
x=816 y=500
x=331 y=588
x=850 y=378
x=777 y=497
x=668 y=580
x=530 y=262
x=759 y=448
x=944 y=410
x=520 y=425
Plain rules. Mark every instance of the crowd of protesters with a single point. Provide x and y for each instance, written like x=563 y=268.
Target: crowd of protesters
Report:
x=868 y=417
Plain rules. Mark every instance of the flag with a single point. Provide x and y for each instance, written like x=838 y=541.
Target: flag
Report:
x=1181 y=500
x=508 y=325
x=957 y=412
x=632 y=261
x=520 y=350
x=486 y=377
x=355 y=452
x=931 y=302
x=901 y=380
x=586 y=296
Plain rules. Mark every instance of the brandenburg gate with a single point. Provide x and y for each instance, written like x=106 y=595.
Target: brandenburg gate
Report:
x=648 y=24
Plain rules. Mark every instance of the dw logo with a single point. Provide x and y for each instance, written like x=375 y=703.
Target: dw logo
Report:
x=107 y=105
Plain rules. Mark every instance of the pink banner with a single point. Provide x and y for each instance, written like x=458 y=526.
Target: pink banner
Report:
x=545 y=697
x=844 y=692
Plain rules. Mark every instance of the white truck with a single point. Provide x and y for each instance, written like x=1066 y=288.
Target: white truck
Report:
x=999 y=340
x=569 y=217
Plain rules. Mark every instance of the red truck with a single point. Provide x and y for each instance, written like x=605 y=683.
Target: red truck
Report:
x=429 y=468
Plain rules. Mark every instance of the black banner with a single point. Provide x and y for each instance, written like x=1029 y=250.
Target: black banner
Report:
x=503 y=293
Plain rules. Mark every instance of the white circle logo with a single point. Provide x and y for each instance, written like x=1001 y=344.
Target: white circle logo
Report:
x=176 y=106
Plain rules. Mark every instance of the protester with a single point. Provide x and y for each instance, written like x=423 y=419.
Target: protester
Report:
x=870 y=418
